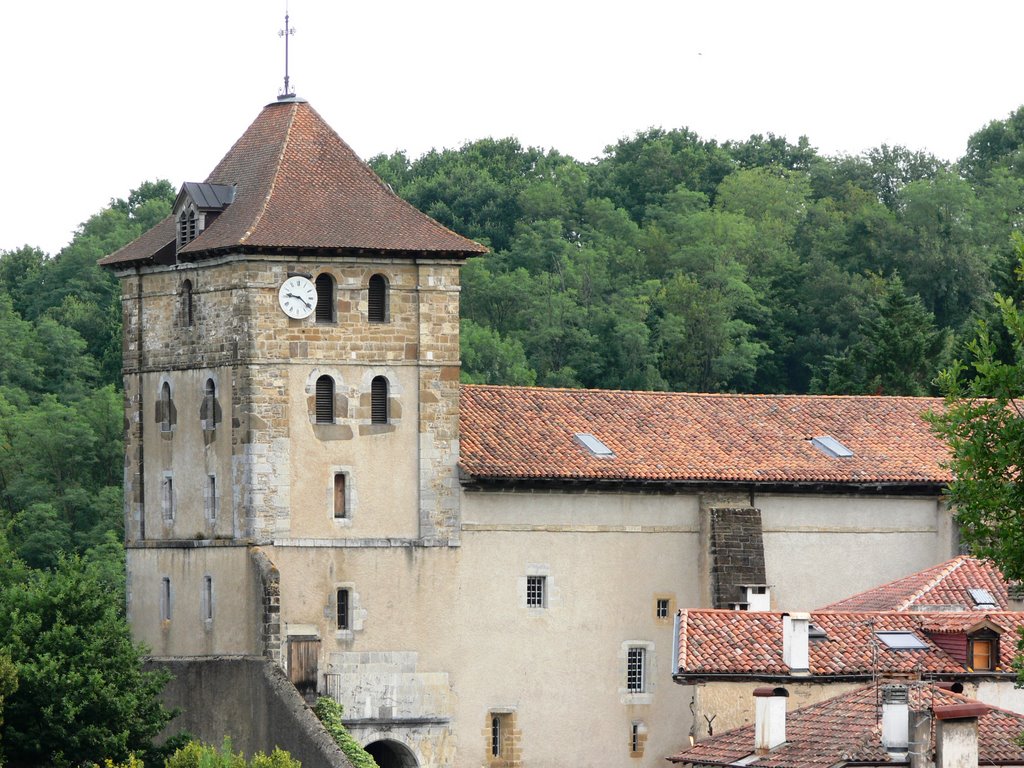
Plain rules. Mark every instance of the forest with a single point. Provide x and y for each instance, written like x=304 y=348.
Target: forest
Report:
x=670 y=262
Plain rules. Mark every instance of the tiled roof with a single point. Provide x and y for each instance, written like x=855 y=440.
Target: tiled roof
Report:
x=299 y=186
x=846 y=730
x=945 y=584
x=524 y=432
x=716 y=643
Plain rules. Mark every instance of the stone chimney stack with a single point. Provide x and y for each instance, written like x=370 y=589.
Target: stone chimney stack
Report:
x=1015 y=597
x=795 y=638
x=895 y=718
x=956 y=735
x=769 y=718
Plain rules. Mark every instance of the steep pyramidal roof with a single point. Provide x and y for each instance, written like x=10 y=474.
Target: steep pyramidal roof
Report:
x=300 y=186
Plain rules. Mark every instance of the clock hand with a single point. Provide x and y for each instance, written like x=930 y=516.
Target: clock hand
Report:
x=293 y=296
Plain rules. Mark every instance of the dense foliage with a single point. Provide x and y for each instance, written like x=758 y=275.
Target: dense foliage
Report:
x=674 y=262
x=198 y=755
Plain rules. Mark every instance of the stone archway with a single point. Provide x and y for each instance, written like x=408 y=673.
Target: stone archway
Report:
x=392 y=754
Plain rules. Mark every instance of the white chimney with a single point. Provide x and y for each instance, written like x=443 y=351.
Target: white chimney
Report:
x=759 y=597
x=769 y=718
x=956 y=735
x=895 y=718
x=795 y=633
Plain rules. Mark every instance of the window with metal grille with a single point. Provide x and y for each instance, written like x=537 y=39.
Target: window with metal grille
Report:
x=634 y=738
x=343 y=611
x=635 y=662
x=209 y=410
x=535 y=591
x=495 y=736
x=339 y=495
x=377 y=300
x=325 y=400
x=662 y=609
x=207 y=598
x=324 y=312
x=379 y=400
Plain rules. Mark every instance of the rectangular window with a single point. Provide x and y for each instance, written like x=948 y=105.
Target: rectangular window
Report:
x=635 y=662
x=634 y=738
x=661 y=611
x=343 y=610
x=165 y=599
x=495 y=736
x=211 y=497
x=981 y=655
x=535 y=591
x=208 y=598
x=167 y=500
x=339 y=496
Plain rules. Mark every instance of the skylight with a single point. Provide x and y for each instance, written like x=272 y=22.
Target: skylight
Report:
x=831 y=447
x=902 y=641
x=592 y=444
x=982 y=598
x=816 y=633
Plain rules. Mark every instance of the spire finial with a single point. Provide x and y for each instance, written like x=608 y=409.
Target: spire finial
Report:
x=286 y=33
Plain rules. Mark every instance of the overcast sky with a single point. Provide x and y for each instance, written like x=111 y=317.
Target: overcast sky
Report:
x=104 y=94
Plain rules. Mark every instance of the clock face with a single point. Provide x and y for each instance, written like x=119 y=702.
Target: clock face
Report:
x=297 y=297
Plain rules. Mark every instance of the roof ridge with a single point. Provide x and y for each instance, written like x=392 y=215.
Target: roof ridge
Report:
x=293 y=110
x=942 y=574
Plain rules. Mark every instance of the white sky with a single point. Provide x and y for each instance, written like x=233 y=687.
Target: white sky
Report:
x=104 y=94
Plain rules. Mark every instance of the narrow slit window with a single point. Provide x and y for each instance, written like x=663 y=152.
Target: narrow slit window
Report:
x=377 y=299
x=495 y=736
x=325 y=400
x=168 y=499
x=343 y=610
x=324 y=312
x=165 y=407
x=210 y=405
x=340 y=512
x=208 y=598
x=165 y=599
x=187 y=313
x=379 y=400
x=211 y=497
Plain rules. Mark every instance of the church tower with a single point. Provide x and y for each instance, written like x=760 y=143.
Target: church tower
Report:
x=291 y=370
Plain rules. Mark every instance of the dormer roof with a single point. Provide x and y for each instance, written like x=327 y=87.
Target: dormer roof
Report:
x=205 y=196
x=299 y=186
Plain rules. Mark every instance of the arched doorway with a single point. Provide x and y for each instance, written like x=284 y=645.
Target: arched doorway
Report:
x=392 y=754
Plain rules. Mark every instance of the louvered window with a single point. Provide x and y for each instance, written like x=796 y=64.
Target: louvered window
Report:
x=379 y=400
x=324 y=298
x=325 y=400
x=377 y=300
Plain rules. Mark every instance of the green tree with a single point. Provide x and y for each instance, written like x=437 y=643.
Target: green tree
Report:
x=983 y=423
x=195 y=754
x=487 y=358
x=82 y=693
x=329 y=712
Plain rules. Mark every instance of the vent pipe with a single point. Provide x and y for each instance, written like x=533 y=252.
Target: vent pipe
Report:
x=769 y=718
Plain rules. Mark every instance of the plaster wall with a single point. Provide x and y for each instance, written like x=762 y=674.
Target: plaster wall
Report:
x=237 y=601
x=819 y=549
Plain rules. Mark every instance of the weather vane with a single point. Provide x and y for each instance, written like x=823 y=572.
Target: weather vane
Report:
x=286 y=33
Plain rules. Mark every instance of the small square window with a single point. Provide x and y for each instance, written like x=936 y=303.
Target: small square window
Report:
x=636 y=659
x=661 y=610
x=535 y=591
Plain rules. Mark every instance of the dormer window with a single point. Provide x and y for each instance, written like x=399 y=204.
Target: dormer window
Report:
x=197 y=205
x=983 y=651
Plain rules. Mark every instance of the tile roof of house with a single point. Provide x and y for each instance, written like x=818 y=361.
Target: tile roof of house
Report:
x=522 y=433
x=944 y=585
x=715 y=643
x=846 y=729
x=300 y=186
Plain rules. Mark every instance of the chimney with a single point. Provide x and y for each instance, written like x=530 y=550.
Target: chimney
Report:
x=895 y=718
x=920 y=746
x=769 y=718
x=956 y=734
x=758 y=596
x=1015 y=597
x=795 y=633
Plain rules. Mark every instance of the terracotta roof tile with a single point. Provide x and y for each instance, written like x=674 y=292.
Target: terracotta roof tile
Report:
x=525 y=432
x=945 y=584
x=715 y=642
x=845 y=729
x=299 y=185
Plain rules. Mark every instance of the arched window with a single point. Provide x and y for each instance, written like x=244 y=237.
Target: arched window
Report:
x=377 y=300
x=165 y=407
x=325 y=400
x=379 y=400
x=324 y=298
x=187 y=316
x=208 y=415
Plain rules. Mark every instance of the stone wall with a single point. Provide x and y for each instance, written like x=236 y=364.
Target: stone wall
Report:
x=250 y=700
x=737 y=553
